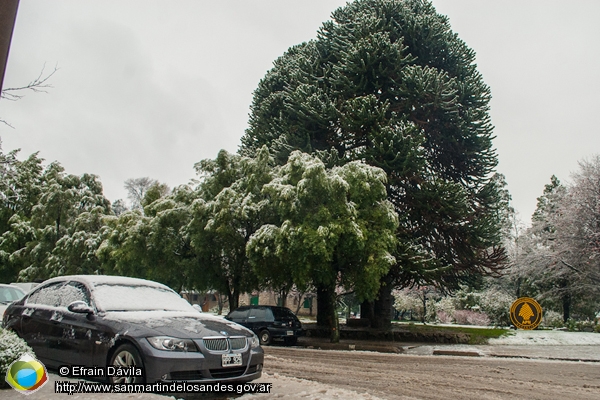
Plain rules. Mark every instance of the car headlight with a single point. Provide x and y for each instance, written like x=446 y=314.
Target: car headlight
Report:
x=254 y=342
x=172 y=344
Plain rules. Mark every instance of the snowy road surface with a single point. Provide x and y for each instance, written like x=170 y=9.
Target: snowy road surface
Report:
x=400 y=376
x=310 y=374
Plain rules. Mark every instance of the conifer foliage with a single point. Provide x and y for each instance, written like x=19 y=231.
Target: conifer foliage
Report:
x=389 y=83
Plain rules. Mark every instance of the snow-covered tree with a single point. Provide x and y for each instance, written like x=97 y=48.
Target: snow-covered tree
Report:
x=582 y=222
x=45 y=217
x=559 y=253
x=335 y=229
x=228 y=210
x=64 y=223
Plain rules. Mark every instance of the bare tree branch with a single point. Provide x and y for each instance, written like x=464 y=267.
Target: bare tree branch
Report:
x=6 y=123
x=590 y=275
x=39 y=84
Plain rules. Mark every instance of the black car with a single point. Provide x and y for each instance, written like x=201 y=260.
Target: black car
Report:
x=91 y=320
x=269 y=322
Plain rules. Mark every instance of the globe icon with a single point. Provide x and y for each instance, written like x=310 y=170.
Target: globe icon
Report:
x=26 y=377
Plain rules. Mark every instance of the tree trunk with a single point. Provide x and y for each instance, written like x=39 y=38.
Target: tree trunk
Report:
x=383 y=306
x=283 y=294
x=326 y=313
x=322 y=306
x=566 y=300
x=234 y=299
x=566 y=304
x=220 y=304
x=424 y=300
x=367 y=311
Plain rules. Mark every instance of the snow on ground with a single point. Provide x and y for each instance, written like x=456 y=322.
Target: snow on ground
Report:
x=285 y=387
x=549 y=337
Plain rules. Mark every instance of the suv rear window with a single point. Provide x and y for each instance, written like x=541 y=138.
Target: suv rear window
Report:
x=238 y=314
x=283 y=313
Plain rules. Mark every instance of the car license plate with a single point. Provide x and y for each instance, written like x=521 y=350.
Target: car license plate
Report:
x=231 y=360
x=290 y=333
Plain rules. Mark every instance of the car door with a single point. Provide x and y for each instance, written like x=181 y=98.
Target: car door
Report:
x=257 y=318
x=40 y=318
x=74 y=343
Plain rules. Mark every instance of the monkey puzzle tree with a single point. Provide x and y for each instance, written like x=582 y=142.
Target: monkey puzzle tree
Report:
x=389 y=83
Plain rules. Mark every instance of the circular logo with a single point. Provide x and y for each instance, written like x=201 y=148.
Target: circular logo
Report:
x=526 y=313
x=26 y=375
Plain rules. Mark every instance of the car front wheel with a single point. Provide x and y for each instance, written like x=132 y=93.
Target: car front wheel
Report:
x=126 y=356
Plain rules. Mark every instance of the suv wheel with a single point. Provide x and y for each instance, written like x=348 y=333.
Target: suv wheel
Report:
x=265 y=337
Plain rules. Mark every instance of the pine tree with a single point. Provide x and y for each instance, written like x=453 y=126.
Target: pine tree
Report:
x=388 y=82
x=526 y=313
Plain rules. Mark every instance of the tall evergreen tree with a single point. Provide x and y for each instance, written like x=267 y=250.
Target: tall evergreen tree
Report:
x=389 y=83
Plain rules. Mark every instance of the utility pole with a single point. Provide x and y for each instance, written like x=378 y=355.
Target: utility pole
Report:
x=8 y=15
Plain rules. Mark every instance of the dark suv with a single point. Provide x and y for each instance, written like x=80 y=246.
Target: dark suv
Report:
x=269 y=322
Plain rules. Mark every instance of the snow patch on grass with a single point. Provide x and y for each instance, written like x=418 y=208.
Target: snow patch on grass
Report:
x=550 y=337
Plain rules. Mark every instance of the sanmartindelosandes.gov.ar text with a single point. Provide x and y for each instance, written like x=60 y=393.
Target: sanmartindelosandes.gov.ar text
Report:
x=72 y=387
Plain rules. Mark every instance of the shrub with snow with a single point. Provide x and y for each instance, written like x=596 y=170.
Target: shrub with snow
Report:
x=443 y=317
x=552 y=319
x=468 y=317
x=12 y=348
x=585 y=326
x=404 y=300
x=496 y=305
x=494 y=302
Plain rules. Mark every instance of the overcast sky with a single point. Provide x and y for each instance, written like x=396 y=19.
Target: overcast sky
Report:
x=149 y=88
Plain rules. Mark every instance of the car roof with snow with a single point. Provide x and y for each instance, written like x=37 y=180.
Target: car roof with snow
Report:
x=93 y=280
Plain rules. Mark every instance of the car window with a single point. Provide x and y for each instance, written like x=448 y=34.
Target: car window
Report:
x=283 y=314
x=10 y=294
x=259 y=314
x=48 y=295
x=238 y=314
x=74 y=291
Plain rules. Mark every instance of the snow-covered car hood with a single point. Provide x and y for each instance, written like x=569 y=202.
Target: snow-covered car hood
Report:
x=191 y=325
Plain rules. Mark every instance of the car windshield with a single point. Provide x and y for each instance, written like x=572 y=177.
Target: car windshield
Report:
x=111 y=297
x=10 y=294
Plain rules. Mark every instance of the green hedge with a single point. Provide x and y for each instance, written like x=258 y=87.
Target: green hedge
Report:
x=12 y=348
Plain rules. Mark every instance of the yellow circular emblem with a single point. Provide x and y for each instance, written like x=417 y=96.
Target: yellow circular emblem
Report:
x=526 y=313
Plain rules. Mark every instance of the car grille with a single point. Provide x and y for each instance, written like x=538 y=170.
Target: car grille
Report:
x=224 y=343
x=227 y=372
x=216 y=344
x=237 y=343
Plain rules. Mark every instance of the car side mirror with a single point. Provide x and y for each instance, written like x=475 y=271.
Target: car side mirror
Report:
x=80 y=307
